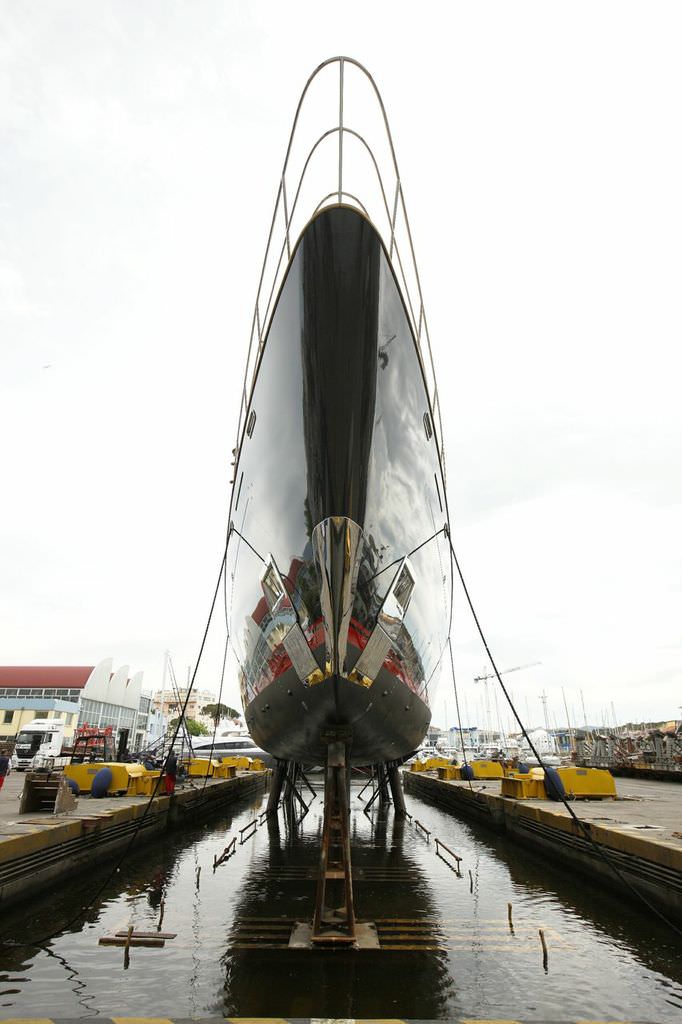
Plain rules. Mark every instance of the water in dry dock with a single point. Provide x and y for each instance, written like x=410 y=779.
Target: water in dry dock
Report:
x=606 y=959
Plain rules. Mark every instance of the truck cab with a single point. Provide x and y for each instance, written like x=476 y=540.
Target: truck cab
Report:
x=39 y=742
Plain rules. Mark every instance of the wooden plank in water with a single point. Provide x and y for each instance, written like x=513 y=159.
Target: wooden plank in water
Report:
x=117 y=940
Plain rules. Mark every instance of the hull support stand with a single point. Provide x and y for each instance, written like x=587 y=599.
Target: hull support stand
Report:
x=276 y=784
x=335 y=924
x=380 y=782
x=396 y=791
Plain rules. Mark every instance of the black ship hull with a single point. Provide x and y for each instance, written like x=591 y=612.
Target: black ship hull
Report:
x=339 y=564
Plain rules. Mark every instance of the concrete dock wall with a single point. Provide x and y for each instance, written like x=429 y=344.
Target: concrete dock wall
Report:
x=56 y=848
x=654 y=868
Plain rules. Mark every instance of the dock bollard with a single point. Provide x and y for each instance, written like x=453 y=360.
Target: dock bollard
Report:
x=544 y=948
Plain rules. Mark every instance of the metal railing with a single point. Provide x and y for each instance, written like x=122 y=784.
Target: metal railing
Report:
x=389 y=218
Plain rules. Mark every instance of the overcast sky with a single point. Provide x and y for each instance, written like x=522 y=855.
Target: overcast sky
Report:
x=541 y=158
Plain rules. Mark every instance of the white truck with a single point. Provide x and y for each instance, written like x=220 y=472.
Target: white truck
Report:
x=39 y=746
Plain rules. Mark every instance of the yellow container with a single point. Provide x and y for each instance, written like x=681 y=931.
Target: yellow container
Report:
x=145 y=785
x=240 y=763
x=124 y=777
x=486 y=769
x=257 y=765
x=449 y=772
x=523 y=787
x=418 y=766
x=588 y=783
x=200 y=766
x=433 y=763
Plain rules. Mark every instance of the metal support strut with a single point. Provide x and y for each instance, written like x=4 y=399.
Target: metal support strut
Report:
x=278 y=777
x=379 y=787
x=396 y=790
x=335 y=925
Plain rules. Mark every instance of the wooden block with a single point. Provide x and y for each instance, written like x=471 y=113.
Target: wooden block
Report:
x=118 y=940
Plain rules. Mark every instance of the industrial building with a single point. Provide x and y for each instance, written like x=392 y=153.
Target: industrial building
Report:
x=96 y=696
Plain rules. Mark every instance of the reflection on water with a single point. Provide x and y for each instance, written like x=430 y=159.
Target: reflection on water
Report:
x=605 y=961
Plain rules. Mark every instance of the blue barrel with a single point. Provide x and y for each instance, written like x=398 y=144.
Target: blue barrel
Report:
x=467 y=772
x=101 y=783
x=73 y=786
x=523 y=768
x=553 y=784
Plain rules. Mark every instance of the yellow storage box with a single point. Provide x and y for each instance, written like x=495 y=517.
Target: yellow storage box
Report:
x=524 y=787
x=418 y=766
x=256 y=765
x=486 y=769
x=433 y=763
x=240 y=763
x=200 y=766
x=145 y=785
x=449 y=772
x=124 y=777
x=588 y=783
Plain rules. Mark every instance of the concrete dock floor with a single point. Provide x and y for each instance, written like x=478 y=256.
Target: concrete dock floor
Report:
x=651 y=808
x=11 y=822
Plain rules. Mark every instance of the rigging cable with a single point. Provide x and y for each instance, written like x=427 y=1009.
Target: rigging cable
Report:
x=242 y=537
x=459 y=717
x=218 y=706
x=37 y=943
x=409 y=554
x=582 y=825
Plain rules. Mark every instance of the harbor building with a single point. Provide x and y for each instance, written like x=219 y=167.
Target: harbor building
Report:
x=151 y=724
x=96 y=696
x=170 y=702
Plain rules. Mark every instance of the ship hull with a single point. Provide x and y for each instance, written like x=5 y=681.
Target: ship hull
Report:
x=338 y=431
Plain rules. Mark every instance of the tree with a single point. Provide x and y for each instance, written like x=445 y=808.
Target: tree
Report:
x=218 y=711
x=194 y=728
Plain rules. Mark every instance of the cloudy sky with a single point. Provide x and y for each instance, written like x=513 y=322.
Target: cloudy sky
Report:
x=541 y=158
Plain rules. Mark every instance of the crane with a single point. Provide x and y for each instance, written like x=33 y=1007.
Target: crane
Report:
x=491 y=675
x=517 y=668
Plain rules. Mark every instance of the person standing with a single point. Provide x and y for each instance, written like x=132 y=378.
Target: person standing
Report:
x=4 y=767
x=170 y=773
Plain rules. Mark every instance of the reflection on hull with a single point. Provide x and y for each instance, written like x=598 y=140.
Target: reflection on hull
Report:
x=338 y=622
x=292 y=719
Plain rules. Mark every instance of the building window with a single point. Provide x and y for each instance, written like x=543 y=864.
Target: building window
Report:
x=9 y=715
x=41 y=714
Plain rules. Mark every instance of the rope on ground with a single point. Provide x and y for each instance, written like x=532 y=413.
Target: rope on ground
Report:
x=583 y=826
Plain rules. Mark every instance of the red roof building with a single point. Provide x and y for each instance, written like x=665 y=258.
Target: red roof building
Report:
x=39 y=677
